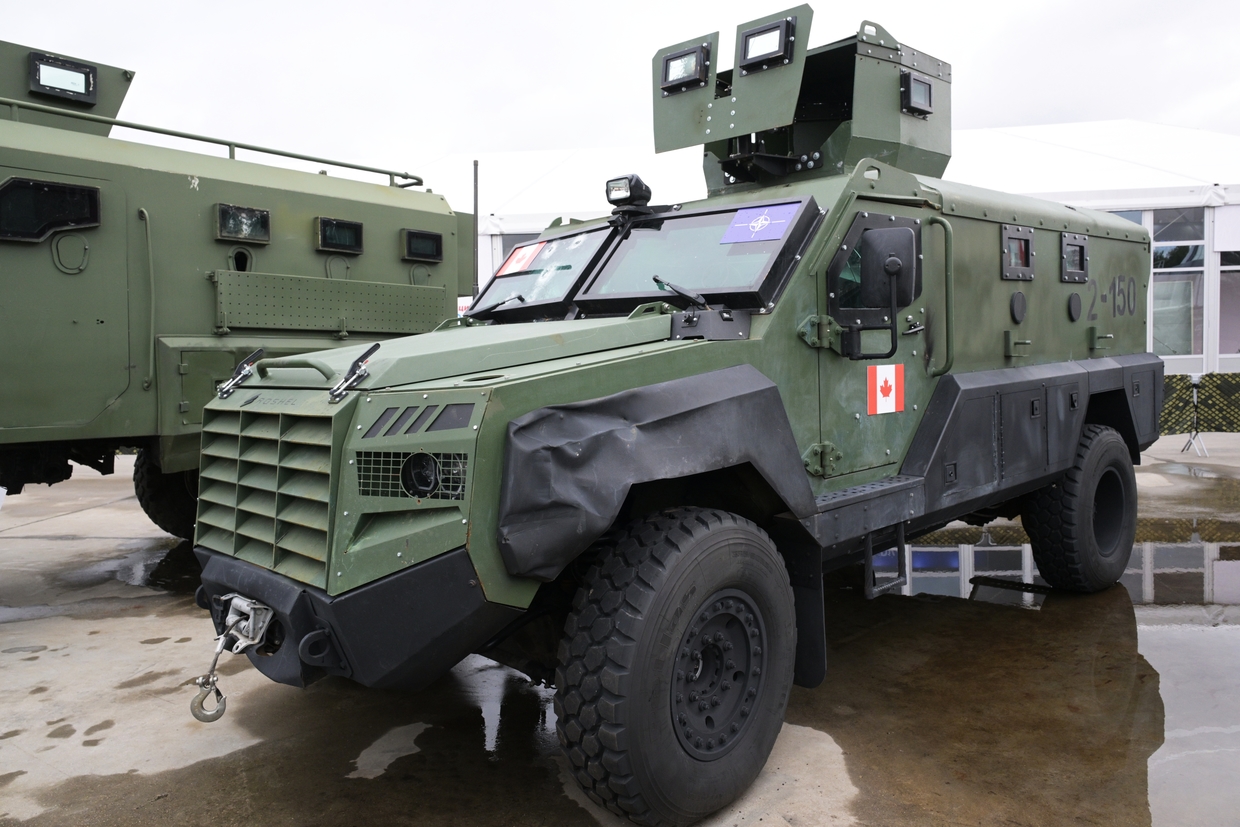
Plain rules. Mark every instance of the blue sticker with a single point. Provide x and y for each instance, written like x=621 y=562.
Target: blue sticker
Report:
x=760 y=224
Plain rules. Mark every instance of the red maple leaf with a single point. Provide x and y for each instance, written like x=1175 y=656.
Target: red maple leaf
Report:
x=885 y=388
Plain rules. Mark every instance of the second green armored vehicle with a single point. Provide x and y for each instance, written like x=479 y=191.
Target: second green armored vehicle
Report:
x=626 y=470
x=134 y=278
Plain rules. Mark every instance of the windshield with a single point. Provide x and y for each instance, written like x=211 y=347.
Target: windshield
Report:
x=717 y=252
x=542 y=270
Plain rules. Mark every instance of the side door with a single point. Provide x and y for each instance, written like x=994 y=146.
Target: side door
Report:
x=64 y=316
x=874 y=367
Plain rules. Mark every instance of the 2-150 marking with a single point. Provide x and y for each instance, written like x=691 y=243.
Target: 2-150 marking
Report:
x=1123 y=293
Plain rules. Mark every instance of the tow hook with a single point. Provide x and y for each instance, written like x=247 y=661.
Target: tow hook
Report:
x=245 y=626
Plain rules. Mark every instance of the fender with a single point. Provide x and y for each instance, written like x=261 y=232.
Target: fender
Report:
x=568 y=468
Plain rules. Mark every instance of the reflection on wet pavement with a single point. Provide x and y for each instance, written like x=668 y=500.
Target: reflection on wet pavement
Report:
x=1118 y=708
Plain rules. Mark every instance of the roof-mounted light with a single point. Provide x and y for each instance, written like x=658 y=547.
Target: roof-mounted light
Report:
x=629 y=191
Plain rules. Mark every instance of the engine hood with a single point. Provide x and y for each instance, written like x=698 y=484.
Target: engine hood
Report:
x=463 y=350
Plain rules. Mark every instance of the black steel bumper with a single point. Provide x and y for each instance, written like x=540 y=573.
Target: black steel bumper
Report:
x=402 y=631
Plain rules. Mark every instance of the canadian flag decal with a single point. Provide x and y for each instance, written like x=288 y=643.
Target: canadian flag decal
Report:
x=885 y=389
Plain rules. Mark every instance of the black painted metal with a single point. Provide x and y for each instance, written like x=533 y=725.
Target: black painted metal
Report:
x=403 y=631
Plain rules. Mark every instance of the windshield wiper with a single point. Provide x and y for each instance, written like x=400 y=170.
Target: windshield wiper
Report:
x=473 y=314
x=696 y=299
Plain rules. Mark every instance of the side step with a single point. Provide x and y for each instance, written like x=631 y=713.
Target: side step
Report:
x=853 y=513
x=872 y=589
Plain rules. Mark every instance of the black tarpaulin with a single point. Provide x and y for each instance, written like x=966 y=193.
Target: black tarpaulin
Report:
x=568 y=468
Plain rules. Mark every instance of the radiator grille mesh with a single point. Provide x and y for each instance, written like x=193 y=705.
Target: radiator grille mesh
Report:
x=264 y=490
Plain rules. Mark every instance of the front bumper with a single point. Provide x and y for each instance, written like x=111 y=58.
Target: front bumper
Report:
x=402 y=631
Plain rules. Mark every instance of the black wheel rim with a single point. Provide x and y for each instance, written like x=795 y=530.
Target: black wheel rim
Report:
x=719 y=675
x=1109 y=512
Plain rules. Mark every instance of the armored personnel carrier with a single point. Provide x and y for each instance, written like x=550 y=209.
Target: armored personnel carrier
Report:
x=627 y=469
x=134 y=278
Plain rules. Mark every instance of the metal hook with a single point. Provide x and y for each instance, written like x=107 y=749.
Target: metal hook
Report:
x=206 y=688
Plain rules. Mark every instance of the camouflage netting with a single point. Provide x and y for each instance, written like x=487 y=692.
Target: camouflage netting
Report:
x=1149 y=530
x=1216 y=410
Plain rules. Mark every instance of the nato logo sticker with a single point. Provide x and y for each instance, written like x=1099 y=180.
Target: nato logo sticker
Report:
x=760 y=224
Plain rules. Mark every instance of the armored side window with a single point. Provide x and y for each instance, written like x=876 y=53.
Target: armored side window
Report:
x=417 y=245
x=33 y=210
x=60 y=77
x=1075 y=257
x=249 y=224
x=1017 y=253
x=336 y=236
x=848 y=304
x=916 y=94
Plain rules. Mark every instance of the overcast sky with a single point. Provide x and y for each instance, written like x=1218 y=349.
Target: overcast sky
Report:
x=405 y=84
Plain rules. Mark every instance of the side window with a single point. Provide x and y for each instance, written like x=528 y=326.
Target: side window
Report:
x=33 y=210
x=848 y=303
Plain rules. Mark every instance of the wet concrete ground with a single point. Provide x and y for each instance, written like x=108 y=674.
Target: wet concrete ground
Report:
x=1120 y=708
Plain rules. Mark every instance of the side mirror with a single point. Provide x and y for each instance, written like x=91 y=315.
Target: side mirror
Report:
x=888 y=261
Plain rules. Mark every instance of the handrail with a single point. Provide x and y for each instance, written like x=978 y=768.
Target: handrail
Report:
x=150 y=270
x=233 y=146
x=949 y=292
x=294 y=362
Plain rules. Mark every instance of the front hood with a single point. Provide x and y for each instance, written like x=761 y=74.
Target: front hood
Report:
x=463 y=350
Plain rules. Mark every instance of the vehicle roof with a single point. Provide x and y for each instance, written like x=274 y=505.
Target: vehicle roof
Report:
x=77 y=146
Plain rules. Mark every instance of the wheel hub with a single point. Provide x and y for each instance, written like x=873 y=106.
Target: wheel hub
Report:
x=718 y=674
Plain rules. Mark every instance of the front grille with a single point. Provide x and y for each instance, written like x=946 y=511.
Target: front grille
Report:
x=378 y=475
x=264 y=490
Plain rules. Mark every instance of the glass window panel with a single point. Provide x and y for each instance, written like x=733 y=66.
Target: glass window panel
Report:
x=1131 y=215
x=1229 y=312
x=1230 y=259
x=1018 y=252
x=510 y=240
x=1184 y=255
x=543 y=271
x=1180 y=225
x=687 y=252
x=1177 y=313
x=682 y=68
x=762 y=44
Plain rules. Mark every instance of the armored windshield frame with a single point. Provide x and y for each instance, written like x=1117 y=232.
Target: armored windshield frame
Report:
x=769 y=283
x=549 y=308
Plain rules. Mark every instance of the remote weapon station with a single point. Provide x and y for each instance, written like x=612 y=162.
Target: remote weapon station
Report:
x=134 y=279
x=626 y=470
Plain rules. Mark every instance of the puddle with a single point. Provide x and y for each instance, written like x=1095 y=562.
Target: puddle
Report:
x=173 y=570
x=395 y=743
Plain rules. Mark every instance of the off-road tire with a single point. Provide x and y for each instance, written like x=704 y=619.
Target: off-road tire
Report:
x=1083 y=526
x=623 y=657
x=170 y=500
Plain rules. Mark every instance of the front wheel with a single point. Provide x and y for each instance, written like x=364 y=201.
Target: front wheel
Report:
x=1082 y=527
x=169 y=500
x=676 y=665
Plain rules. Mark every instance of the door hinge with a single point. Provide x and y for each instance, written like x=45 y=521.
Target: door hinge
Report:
x=821 y=331
x=822 y=459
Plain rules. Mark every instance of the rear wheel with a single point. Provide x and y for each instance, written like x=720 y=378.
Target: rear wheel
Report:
x=1082 y=528
x=676 y=665
x=170 y=500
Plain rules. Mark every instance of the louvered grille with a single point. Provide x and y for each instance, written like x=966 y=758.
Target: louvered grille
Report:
x=378 y=475
x=264 y=490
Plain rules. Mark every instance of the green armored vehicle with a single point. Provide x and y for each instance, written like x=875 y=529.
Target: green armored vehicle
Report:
x=626 y=470
x=134 y=278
